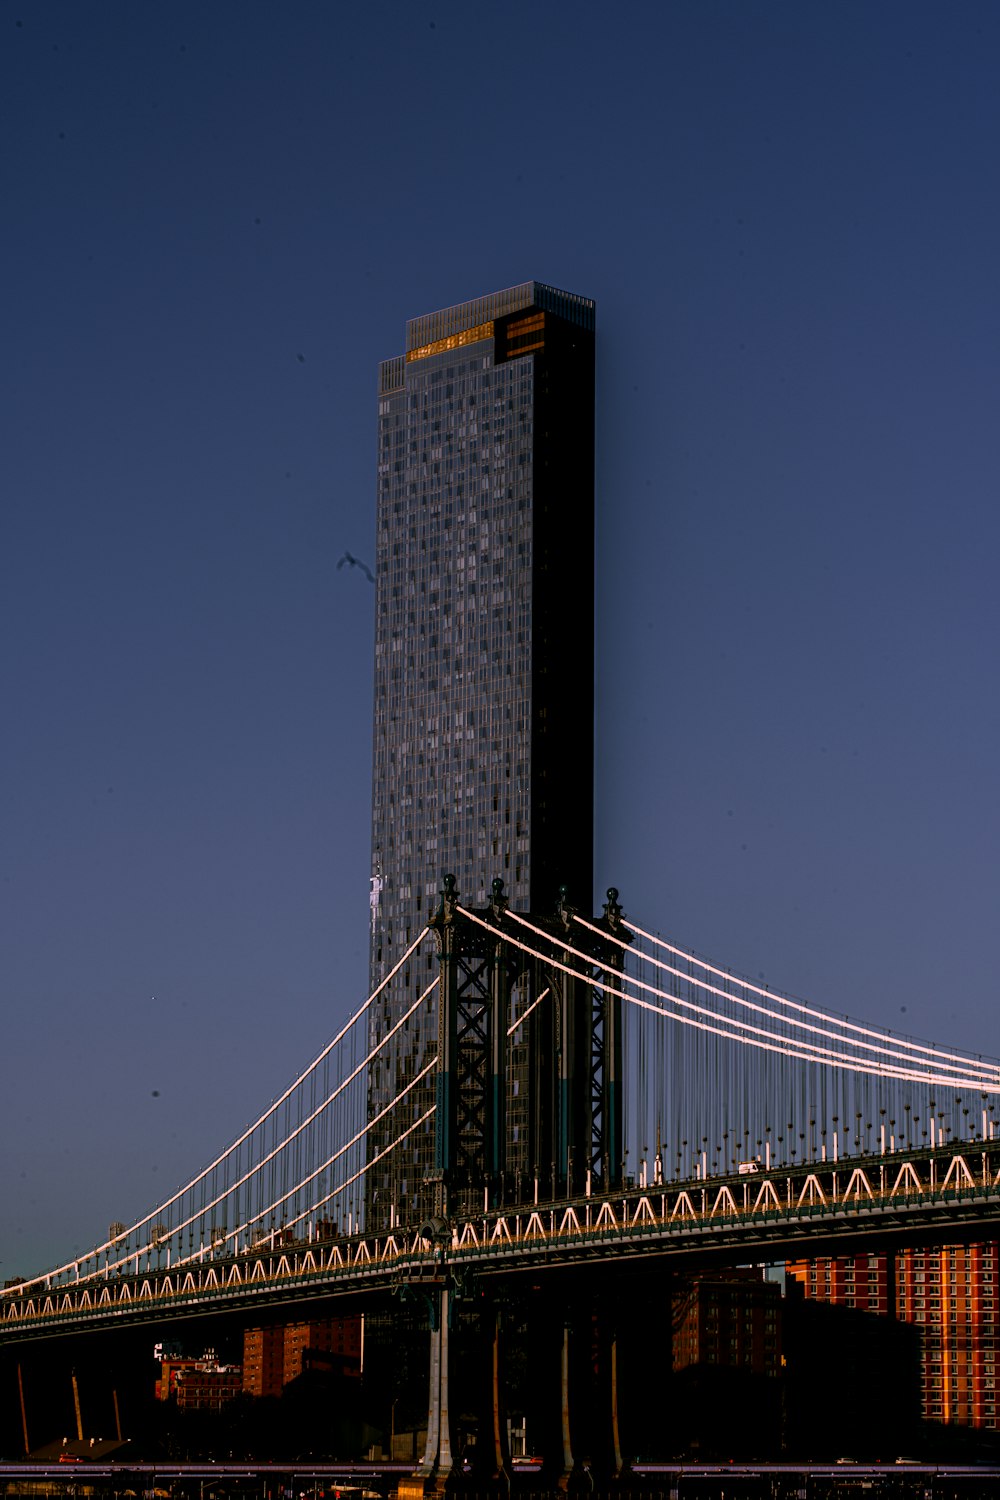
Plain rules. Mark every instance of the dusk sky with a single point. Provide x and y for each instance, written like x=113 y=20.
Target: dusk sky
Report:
x=217 y=219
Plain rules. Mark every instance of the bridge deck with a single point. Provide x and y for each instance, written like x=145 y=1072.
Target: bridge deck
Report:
x=810 y=1209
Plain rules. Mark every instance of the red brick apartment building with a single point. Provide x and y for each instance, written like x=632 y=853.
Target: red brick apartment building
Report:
x=728 y=1320
x=726 y=1339
x=948 y=1296
x=276 y=1355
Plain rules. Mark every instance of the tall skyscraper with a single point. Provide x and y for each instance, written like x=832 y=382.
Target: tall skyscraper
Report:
x=483 y=732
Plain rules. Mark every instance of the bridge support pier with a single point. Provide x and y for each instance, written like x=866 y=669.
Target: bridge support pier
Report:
x=566 y=1431
x=493 y=1461
x=583 y=1450
x=615 y=1465
x=434 y=1472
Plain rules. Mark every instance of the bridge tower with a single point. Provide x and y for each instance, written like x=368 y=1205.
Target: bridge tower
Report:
x=569 y=1080
x=566 y=1076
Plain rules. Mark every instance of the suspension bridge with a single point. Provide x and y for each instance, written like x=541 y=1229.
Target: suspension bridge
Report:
x=678 y=1100
x=575 y=1092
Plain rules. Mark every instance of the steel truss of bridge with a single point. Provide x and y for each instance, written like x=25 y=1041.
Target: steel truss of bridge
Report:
x=814 y=1208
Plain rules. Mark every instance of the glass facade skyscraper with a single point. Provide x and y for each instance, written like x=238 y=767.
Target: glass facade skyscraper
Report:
x=483 y=722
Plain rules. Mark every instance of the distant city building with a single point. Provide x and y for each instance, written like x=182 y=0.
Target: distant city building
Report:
x=172 y=1361
x=198 y=1384
x=733 y=1319
x=947 y=1295
x=864 y=1282
x=208 y=1390
x=276 y=1355
x=330 y=1344
x=950 y=1295
x=725 y=1394
x=264 y=1361
x=483 y=718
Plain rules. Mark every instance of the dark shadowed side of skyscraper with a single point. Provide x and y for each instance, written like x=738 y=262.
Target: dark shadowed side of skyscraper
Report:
x=483 y=725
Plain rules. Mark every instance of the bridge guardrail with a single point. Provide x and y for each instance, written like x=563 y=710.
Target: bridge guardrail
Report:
x=790 y=1207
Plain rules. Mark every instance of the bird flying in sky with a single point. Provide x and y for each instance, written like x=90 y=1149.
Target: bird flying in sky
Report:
x=355 y=562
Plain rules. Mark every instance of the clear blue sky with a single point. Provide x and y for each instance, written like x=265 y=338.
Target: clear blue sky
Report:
x=217 y=220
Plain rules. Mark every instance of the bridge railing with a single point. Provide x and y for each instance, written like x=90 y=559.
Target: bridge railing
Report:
x=806 y=1209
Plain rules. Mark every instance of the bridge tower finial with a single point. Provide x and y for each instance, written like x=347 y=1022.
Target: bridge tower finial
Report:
x=564 y=911
x=449 y=900
x=498 y=900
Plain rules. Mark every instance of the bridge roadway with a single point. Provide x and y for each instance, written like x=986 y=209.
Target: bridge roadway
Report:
x=947 y=1194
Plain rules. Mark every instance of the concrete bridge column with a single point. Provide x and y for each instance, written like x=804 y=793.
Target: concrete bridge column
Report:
x=556 y=1362
x=431 y=1477
x=591 y=1444
x=566 y=1426
x=609 y=1463
x=498 y=1460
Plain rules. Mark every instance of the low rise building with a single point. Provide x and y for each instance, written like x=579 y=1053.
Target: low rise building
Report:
x=201 y=1384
